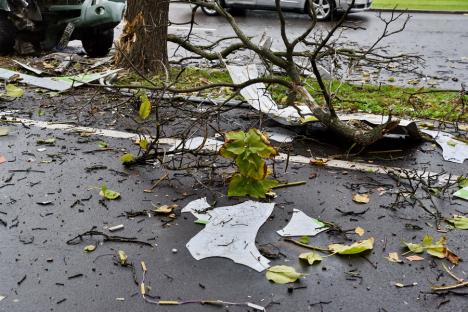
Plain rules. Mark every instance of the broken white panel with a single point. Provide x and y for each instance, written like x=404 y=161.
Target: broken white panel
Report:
x=452 y=149
x=55 y=83
x=231 y=233
x=280 y=135
x=197 y=143
x=260 y=99
x=371 y=118
x=197 y=208
x=302 y=225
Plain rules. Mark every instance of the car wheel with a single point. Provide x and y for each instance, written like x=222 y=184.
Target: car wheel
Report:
x=7 y=35
x=97 y=43
x=208 y=11
x=324 y=9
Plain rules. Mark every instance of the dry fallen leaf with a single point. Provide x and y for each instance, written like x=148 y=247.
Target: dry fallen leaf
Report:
x=361 y=198
x=359 y=231
x=319 y=162
x=165 y=209
x=2 y=159
x=415 y=258
x=394 y=257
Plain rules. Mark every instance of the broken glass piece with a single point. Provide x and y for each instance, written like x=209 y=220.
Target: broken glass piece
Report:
x=452 y=149
x=302 y=225
x=230 y=232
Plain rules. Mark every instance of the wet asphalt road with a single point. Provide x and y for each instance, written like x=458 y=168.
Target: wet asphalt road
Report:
x=441 y=39
x=40 y=272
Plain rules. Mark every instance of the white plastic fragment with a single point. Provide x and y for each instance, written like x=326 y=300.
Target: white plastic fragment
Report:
x=197 y=143
x=260 y=99
x=116 y=228
x=255 y=306
x=55 y=83
x=230 y=233
x=452 y=149
x=2 y=297
x=280 y=135
x=302 y=225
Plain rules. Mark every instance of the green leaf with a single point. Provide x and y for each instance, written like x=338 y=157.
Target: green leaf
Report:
x=462 y=193
x=145 y=106
x=462 y=182
x=123 y=258
x=13 y=91
x=103 y=144
x=352 y=249
x=304 y=240
x=4 y=131
x=258 y=144
x=48 y=141
x=282 y=274
x=143 y=144
x=90 y=248
x=251 y=165
x=311 y=257
x=108 y=194
x=416 y=248
x=438 y=249
x=460 y=222
x=127 y=158
x=245 y=186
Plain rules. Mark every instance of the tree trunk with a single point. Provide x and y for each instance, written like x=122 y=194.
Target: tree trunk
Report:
x=143 y=44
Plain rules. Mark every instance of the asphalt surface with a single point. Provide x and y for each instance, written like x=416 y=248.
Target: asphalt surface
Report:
x=441 y=39
x=41 y=272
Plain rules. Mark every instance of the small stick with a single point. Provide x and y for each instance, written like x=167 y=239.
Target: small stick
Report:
x=306 y=246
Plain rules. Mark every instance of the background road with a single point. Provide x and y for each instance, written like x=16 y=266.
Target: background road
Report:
x=441 y=39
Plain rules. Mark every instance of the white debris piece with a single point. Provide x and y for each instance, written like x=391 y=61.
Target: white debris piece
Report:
x=230 y=232
x=280 y=135
x=197 y=143
x=2 y=297
x=260 y=99
x=452 y=149
x=116 y=228
x=302 y=225
x=55 y=83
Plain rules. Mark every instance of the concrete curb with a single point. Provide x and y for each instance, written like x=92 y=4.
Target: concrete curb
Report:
x=418 y=11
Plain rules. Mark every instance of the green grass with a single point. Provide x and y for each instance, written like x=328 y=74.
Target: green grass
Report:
x=348 y=97
x=432 y=5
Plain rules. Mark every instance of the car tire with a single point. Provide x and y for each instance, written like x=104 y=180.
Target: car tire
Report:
x=97 y=43
x=209 y=12
x=7 y=35
x=325 y=9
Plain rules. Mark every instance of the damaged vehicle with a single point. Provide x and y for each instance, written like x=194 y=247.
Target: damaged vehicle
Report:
x=30 y=26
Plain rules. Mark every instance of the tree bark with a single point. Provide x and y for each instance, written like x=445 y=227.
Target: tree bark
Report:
x=143 y=44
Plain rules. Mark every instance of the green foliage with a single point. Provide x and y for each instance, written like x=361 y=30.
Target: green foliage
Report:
x=311 y=257
x=352 y=249
x=108 y=194
x=282 y=274
x=127 y=158
x=249 y=149
x=459 y=222
x=145 y=106
x=436 y=249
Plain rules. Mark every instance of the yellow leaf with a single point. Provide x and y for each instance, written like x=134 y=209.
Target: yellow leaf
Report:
x=352 y=249
x=359 y=231
x=319 y=162
x=361 y=198
x=165 y=209
x=145 y=107
x=394 y=257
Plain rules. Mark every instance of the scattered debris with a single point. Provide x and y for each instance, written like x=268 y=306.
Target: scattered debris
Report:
x=452 y=149
x=359 y=231
x=301 y=224
x=230 y=232
x=116 y=228
x=437 y=249
x=89 y=248
x=394 y=257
